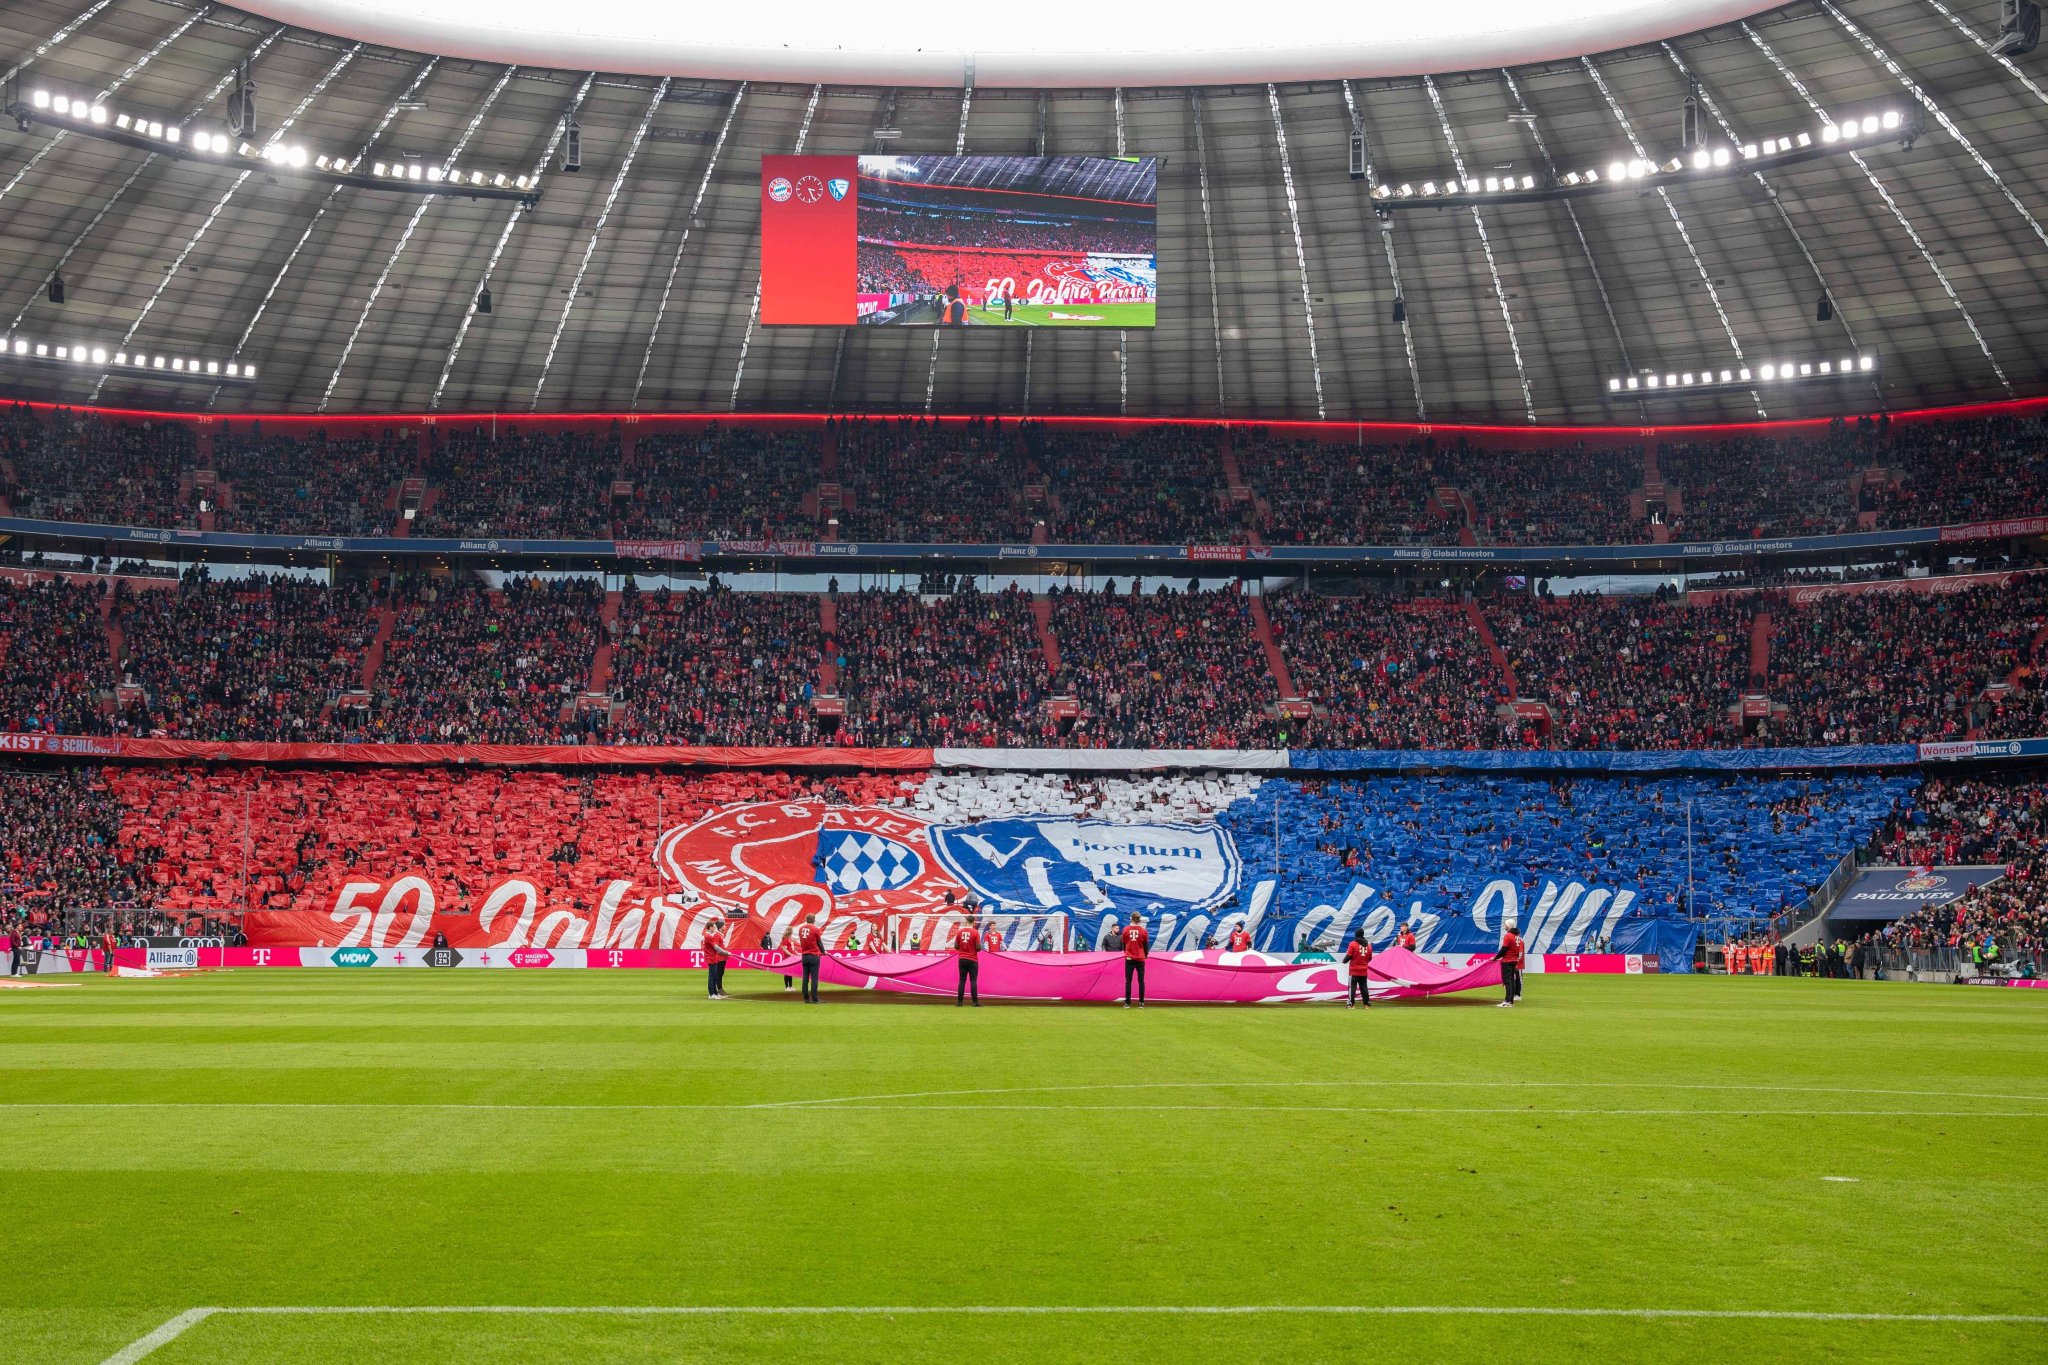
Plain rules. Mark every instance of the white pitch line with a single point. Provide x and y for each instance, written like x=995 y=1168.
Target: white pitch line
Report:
x=172 y=1329
x=1382 y=1084
x=1522 y=1110
x=169 y=1331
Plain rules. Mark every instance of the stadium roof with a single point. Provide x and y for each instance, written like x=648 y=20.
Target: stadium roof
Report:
x=1052 y=42
x=1278 y=278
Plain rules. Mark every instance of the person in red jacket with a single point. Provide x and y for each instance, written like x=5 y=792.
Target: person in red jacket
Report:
x=810 y=944
x=967 y=951
x=714 y=958
x=1406 y=938
x=991 y=938
x=1137 y=943
x=1240 y=941
x=1358 y=957
x=1510 y=955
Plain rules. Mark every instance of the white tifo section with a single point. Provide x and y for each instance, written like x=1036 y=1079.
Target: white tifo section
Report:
x=1184 y=798
x=1054 y=42
x=178 y=1325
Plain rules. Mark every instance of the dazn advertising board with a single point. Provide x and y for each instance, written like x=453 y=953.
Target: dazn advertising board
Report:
x=959 y=241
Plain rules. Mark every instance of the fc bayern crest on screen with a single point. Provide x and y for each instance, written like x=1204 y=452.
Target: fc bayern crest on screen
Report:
x=779 y=189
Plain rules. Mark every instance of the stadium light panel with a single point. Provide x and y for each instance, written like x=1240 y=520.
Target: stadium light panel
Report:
x=139 y=130
x=85 y=353
x=1772 y=372
x=1703 y=160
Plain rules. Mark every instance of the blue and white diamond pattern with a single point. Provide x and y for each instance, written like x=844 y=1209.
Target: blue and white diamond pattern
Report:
x=850 y=861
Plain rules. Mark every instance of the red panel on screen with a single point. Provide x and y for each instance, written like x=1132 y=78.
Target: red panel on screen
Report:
x=808 y=236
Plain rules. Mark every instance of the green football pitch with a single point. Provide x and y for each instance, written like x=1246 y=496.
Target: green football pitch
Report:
x=1071 y=315
x=517 y=1166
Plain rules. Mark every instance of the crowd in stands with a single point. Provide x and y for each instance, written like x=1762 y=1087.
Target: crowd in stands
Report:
x=1754 y=486
x=520 y=481
x=69 y=466
x=469 y=665
x=1963 y=471
x=914 y=480
x=1898 y=668
x=721 y=483
x=1157 y=486
x=1168 y=670
x=959 y=671
x=60 y=846
x=883 y=270
x=1160 y=486
x=317 y=485
x=883 y=224
x=715 y=667
x=56 y=666
x=1999 y=820
x=1626 y=672
x=1322 y=494
x=1386 y=676
x=1556 y=496
x=282 y=658
x=260 y=658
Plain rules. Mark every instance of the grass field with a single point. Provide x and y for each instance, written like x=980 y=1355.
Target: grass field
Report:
x=1689 y=1146
x=1076 y=315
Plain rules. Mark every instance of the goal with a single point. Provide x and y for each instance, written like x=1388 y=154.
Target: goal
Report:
x=933 y=930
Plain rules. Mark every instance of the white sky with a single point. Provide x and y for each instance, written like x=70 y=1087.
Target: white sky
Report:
x=1013 y=44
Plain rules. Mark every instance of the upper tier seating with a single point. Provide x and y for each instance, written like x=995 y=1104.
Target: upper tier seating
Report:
x=965 y=482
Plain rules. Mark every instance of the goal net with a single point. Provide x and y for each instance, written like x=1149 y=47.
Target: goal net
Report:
x=932 y=931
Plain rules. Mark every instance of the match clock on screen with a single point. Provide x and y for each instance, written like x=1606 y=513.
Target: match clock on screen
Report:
x=810 y=189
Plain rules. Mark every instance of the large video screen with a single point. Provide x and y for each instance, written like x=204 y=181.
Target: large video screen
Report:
x=959 y=241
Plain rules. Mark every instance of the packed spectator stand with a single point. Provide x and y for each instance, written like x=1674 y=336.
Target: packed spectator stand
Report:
x=1884 y=667
x=264 y=658
x=962 y=670
x=522 y=482
x=1381 y=674
x=721 y=483
x=920 y=482
x=1628 y=672
x=2000 y=820
x=716 y=667
x=281 y=485
x=1165 y=670
x=966 y=480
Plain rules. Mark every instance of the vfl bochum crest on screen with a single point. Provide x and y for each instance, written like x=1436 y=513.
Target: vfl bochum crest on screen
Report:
x=838 y=185
x=1090 y=866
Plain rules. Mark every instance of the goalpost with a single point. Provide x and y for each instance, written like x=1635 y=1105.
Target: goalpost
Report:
x=932 y=931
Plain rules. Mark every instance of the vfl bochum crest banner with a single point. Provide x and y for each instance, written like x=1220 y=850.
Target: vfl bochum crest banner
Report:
x=1092 y=867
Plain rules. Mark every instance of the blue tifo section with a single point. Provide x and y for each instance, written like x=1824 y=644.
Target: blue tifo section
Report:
x=1575 y=864
x=1616 y=760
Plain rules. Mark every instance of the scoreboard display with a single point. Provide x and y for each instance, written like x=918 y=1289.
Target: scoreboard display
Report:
x=959 y=241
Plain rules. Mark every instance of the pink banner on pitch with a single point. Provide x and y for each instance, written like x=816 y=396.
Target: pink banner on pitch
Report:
x=1208 y=977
